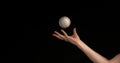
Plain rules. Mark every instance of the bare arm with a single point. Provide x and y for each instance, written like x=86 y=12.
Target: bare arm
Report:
x=74 y=39
x=116 y=59
x=92 y=55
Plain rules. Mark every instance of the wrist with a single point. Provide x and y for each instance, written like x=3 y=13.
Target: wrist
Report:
x=79 y=43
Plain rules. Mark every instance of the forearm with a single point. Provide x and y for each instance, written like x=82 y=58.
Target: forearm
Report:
x=116 y=59
x=92 y=55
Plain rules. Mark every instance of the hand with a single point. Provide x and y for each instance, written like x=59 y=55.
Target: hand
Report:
x=74 y=39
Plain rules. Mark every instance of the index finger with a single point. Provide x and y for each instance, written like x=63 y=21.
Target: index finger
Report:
x=64 y=33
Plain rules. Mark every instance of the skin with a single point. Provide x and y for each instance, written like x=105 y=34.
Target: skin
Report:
x=91 y=54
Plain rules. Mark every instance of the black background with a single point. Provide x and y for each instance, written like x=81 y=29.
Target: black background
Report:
x=97 y=27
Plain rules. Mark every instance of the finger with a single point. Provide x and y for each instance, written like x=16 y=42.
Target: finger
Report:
x=64 y=33
x=57 y=36
x=74 y=32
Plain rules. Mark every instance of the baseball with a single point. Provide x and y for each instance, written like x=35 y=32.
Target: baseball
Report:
x=64 y=22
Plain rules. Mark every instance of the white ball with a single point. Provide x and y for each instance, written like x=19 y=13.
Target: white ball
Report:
x=64 y=22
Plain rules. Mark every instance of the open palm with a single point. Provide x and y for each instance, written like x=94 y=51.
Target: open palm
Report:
x=74 y=39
